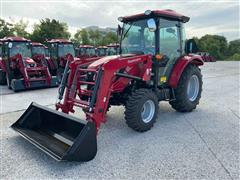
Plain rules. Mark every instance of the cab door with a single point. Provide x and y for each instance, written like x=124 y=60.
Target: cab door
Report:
x=170 y=47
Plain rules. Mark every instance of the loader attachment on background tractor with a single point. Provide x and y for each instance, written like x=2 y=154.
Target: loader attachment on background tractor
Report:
x=61 y=136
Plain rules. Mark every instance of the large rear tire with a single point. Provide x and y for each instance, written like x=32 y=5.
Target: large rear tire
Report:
x=3 y=80
x=189 y=89
x=141 y=110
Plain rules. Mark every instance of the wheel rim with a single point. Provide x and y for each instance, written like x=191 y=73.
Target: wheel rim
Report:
x=148 y=111
x=193 y=88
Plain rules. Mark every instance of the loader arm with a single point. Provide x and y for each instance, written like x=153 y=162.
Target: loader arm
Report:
x=106 y=80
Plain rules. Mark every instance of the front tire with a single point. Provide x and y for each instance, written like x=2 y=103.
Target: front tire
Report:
x=188 y=91
x=141 y=110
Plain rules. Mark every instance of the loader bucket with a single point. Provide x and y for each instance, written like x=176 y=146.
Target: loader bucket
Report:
x=61 y=136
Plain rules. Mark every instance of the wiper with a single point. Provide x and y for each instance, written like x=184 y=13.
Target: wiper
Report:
x=126 y=32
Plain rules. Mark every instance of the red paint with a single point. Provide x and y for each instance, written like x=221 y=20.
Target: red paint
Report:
x=180 y=66
x=159 y=13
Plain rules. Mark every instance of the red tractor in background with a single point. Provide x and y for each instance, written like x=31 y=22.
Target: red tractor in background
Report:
x=39 y=53
x=20 y=70
x=113 y=49
x=155 y=63
x=60 y=50
x=101 y=51
x=3 y=80
x=206 y=57
x=86 y=51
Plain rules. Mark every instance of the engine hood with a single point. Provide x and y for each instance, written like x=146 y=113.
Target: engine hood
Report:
x=106 y=59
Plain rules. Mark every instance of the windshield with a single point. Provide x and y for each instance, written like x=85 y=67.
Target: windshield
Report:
x=64 y=49
x=101 y=52
x=112 y=51
x=38 y=50
x=46 y=52
x=90 y=51
x=137 y=38
x=0 y=50
x=22 y=48
x=87 y=51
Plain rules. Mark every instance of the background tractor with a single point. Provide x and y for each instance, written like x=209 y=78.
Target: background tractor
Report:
x=21 y=71
x=86 y=51
x=59 y=50
x=113 y=49
x=3 y=79
x=155 y=64
x=101 y=51
x=39 y=54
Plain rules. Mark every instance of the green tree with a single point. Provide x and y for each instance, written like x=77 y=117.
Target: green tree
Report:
x=110 y=37
x=20 y=29
x=95 y=37
x=49 y=29
x=214 y=44
x=6 y=29
x=234 y=47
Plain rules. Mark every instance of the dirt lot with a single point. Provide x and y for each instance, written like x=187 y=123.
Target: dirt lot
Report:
x=200 y=144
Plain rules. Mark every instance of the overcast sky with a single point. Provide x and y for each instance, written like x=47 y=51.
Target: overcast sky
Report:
x=206 y=17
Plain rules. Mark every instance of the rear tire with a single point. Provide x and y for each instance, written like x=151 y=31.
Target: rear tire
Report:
x=3 y=80
x=59 y=74
x=141 y=110
x=188 y=91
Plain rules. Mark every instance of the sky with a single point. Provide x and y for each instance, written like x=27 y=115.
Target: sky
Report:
x=220 y=17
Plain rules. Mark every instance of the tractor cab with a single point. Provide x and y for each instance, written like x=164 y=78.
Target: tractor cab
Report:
x=86 y=51
x=101 y=51
x=59 y=50
x=113 y=49
x=158 y=33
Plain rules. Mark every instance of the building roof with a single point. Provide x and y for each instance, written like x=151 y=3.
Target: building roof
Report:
x=86 y=46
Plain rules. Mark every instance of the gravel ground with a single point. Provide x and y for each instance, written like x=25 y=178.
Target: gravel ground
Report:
x=203 y=144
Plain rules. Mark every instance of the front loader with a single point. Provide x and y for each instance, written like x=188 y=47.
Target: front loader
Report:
x=20 y=70
x=154 y=64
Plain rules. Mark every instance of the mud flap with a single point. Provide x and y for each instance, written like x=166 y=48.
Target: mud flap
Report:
x=61 y=136
x=18 y=84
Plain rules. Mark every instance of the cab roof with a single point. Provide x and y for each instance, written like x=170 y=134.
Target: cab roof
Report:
x=38 y=44
x=113 y=45
x=15 y=39
x=167 y=13
x=86 y=46
x=64 y=41
x=102 y=47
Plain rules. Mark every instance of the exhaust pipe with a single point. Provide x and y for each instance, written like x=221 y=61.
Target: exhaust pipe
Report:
x=60 y=135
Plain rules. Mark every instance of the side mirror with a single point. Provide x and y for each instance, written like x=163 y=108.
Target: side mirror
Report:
x=191 y=46
x=151 y=25
x=119 y=30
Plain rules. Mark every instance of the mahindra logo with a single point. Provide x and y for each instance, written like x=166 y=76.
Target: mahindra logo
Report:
x=134 y=60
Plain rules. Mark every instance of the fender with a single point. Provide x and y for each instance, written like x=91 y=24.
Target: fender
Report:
x=181 y=65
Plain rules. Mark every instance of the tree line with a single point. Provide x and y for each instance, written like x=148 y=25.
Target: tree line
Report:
x=216 y=45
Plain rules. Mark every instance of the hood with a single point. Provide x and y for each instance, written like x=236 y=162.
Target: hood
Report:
x=106 y=59
x=30 y=61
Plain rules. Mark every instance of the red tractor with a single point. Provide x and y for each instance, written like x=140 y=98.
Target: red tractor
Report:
x=60 y=50
x=113 y=49
x=21 y=71
x=39 y=53
x=206 y=57
x=154 y=64
x=101 y=51
x=86 y=51
x=3 y=80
